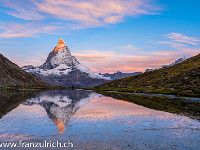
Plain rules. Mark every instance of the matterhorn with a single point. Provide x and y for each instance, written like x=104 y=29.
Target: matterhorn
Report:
x=63 y=69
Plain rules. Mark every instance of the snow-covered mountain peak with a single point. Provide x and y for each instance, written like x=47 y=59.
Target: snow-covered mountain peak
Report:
x=61 y=54
x=60 y=62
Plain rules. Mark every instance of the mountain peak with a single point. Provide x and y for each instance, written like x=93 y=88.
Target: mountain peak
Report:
x=60 y=57
x=61 y=41
x=60 y=46
x=61 y=65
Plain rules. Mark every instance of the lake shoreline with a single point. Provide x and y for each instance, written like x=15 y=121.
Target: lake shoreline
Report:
x=155 y=91
x=124 y=90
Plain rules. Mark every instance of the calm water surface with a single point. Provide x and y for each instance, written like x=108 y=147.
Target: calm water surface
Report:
x=93 y=121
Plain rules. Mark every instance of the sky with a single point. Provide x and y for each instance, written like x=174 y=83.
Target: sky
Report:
x=106 y=35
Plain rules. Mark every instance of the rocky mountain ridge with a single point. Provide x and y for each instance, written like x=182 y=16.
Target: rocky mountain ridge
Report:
x=119 y=75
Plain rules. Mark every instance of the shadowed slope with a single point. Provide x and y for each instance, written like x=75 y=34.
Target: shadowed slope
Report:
x=13 y=75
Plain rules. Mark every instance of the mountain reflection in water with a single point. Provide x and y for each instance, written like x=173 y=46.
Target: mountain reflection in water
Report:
x=61 y=105
x=95 y=121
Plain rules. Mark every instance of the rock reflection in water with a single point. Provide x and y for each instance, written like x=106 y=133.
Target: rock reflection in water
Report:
x=61 y=105
x=11 y=99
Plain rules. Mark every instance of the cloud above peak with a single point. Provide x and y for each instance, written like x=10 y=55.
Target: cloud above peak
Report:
x=129 y=47
x=16 y=30
x=172 y=44
x=94 y=12
x=23 y=9
x=82 y=13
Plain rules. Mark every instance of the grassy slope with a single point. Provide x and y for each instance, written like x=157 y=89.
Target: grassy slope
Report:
x=180 y=79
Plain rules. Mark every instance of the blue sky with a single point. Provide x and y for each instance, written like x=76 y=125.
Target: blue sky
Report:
x=106 y=35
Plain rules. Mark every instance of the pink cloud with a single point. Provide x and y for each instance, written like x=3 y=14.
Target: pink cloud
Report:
x=84 y=13
x=91 y=57
x=90 y=13
x=16 y=30
x=129 y=47
x=23 y=9
x=34 y=61
x=74 y=14
x=173 y=44
x=112 y=62
x=182 y=38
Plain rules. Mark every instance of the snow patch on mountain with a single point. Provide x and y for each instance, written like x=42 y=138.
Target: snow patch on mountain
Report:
x=65 y=70
x=85 y=69
x=176 y=62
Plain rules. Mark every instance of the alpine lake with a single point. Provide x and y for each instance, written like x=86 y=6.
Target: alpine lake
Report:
x=103 y=120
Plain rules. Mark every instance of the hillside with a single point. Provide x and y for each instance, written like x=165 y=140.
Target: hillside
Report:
x=12 y=75
x=12 y=99
x=180 y=79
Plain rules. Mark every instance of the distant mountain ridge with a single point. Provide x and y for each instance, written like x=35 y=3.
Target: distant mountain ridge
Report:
x=174 y=63
x=119 y=75
x=63 y=69
x=13 y=75
x=181 y=79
